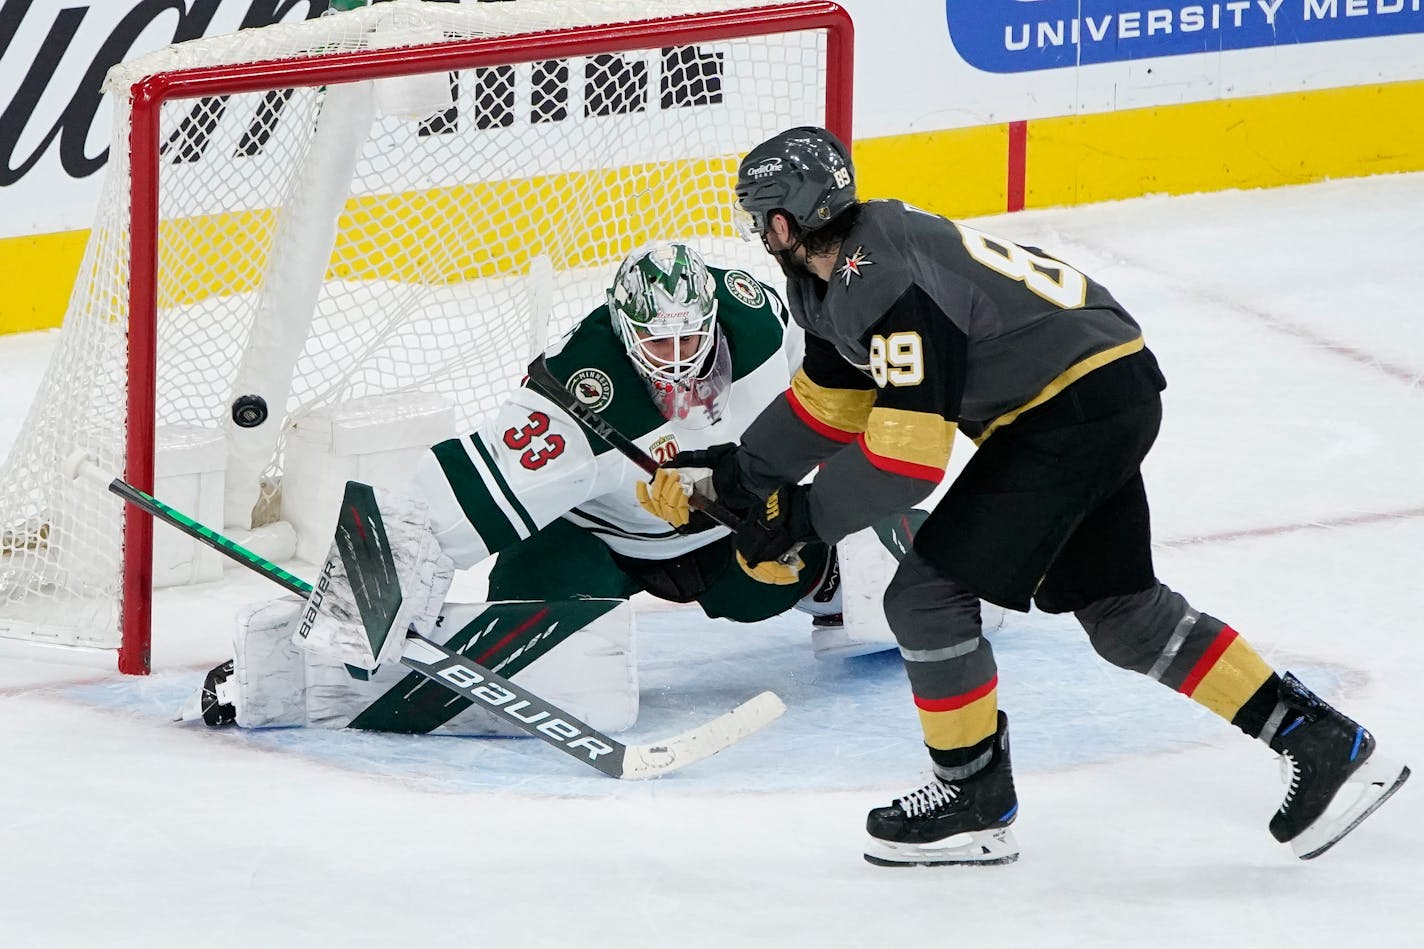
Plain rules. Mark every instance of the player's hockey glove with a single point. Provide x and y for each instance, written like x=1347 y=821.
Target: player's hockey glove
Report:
x=710 y=472
x=769 y=537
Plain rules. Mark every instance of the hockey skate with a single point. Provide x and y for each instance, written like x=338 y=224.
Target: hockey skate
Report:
x=1335 y=778
x=213 y=703
x=951 y=823
x=832 y=640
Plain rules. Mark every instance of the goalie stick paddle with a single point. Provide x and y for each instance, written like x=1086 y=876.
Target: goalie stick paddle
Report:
x=483 y=687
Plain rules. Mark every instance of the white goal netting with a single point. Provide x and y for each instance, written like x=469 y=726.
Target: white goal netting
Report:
x=323 y=243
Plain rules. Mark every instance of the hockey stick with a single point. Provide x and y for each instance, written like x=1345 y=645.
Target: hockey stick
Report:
x=472 y=681
x=547 y=384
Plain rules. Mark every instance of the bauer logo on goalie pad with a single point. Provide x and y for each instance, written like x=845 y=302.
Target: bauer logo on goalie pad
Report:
x=323 y=583
x=741 y=285
x=592 y=388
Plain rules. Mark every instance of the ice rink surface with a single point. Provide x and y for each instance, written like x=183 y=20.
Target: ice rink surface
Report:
x=1288 y=500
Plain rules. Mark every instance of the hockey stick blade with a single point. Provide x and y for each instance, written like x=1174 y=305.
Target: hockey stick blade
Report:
x=572 y=736
x=704 y=741
x=468 y=679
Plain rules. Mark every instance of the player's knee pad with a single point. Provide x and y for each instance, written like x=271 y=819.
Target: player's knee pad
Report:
x=1131 y=631
x=927 y=610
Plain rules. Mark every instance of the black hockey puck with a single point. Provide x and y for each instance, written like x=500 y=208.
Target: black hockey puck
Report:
x=249 y=411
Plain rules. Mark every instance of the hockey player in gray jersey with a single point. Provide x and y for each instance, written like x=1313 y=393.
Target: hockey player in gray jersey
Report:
x=680 y=356
x=918 y=327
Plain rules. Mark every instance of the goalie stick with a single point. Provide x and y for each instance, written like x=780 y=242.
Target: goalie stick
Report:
x=472 y=681
x=547 y=384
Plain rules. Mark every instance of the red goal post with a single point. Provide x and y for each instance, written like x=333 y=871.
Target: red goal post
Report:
x=148 y=291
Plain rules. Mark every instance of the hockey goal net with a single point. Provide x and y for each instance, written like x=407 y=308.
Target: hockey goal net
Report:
x=397 y=202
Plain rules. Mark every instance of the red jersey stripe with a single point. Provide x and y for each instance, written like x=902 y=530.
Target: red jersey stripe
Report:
x=815 y=424
x=1219 y=645
x=957 y=701
x=895 y=466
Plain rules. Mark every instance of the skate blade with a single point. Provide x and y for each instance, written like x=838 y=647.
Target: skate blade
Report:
x=984 y=848
x=1377 y=779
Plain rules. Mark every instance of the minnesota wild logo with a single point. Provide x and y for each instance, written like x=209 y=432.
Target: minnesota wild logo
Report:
x=592 y=388
x=744 y=287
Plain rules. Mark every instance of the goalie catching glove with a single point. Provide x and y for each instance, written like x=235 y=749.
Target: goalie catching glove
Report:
x=768 y=538
x=385 y=574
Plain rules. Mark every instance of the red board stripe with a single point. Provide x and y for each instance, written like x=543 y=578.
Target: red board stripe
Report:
x=1018 y=164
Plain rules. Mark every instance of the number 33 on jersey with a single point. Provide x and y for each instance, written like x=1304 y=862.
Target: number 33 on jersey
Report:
x=542 y=445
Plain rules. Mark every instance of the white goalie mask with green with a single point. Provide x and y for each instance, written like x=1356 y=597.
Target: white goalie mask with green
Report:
x=663 y=304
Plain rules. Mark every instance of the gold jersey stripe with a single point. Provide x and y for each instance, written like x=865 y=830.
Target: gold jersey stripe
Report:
x=1232 y=679
x=920 y=438
x=842 y=409
x=1065 y=379
x=961 y=727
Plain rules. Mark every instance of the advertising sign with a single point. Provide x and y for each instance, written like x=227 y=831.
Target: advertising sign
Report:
x=1010 y=36
x=54 y=117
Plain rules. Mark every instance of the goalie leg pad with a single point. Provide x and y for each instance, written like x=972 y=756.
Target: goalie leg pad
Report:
x=868 y=560
x=385 y=573
x=578 y=654
x=866 y=566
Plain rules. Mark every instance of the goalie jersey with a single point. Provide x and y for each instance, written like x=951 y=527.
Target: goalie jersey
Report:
x=531 y=463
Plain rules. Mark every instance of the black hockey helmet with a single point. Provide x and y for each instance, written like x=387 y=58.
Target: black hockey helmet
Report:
x=805 y=172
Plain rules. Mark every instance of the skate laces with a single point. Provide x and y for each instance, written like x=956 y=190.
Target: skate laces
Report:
x=1290 y=774
x=928 y=799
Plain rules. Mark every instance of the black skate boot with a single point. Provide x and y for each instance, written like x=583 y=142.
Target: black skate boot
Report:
x=1330 y=761
x=949 y=823
x=213 y=702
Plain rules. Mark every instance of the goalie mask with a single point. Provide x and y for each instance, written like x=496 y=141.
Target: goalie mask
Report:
x=663 y=305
